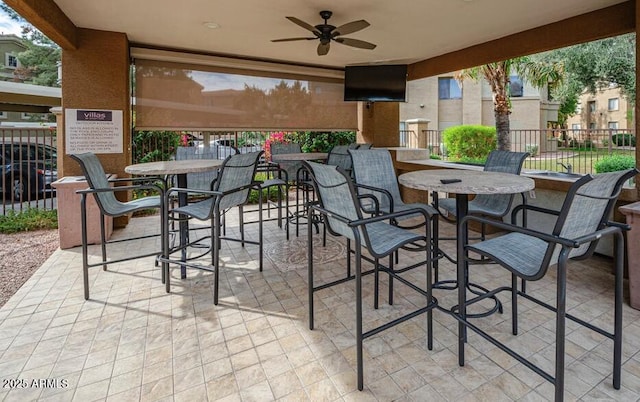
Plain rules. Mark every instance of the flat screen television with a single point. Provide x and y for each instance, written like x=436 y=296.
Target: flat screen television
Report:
x=377 y=83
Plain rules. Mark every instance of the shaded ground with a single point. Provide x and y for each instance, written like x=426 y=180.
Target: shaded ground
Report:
x=21 y=254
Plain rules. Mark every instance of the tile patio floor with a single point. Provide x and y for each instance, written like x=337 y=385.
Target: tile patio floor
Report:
x=132 y=341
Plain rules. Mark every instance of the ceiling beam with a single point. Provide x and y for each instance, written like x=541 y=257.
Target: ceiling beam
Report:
x=47 y=17
x=606 y=22
x=10 y=107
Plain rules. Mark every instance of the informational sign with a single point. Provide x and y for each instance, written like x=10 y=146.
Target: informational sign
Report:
x=91 y=130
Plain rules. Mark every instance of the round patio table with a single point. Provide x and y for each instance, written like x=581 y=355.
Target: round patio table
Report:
x=180 y=168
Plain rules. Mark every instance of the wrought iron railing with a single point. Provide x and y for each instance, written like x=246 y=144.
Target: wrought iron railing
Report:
x=580 y=148
x=28 y=166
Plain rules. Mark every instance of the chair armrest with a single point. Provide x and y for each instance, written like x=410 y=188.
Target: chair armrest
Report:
x=519 y=229
x=136 y=179
x=598 y=234
x=173 y=190
x=375 y=202
x=377 y=190
x=121 y=188
x=529 y=207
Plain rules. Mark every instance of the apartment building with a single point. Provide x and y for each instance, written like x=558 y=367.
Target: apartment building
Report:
x=444 y=102
x=606 y=109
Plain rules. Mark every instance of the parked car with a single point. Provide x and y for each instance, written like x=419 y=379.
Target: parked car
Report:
x=28 y=169
x=221 y=148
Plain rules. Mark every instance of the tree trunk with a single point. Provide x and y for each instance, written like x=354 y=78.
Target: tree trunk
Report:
x=501 y=109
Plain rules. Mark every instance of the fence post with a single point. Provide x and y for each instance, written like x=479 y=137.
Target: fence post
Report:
x=417 y=126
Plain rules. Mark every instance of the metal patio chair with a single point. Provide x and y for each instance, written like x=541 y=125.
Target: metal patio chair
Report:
x=340 y=206
x=109 y=205
x=528 y=254
x=374 y=174
x=231 y=189
x=491 y=205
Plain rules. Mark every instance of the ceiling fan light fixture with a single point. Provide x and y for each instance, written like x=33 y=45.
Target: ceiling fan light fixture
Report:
x=326 y=33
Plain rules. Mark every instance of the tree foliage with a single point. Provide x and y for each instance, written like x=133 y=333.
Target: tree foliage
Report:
x=593 y=66
x=536 y=72
x=40 y=60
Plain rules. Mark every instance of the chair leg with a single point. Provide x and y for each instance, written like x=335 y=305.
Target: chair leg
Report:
x=429 y=259
x=241 y=223
x=561 y=307
x=260 y=246
x=310 y=271
x=359 y=336
x=391 y=267
x=376 y=281
x=514 y=304
x=617 y=325
x=436 y=247
x=103 y=241
x=85 y=247
x=164 y=229
x=215 y=252
x=348 y=258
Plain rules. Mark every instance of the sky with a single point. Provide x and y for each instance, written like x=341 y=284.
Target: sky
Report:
x=8 y=26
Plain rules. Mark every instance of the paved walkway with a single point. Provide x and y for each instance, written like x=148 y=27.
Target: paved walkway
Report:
x=132 y=341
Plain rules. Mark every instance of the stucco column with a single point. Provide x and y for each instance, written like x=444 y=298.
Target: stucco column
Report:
x=96 y=76
x=379 y=123
x=417 y=136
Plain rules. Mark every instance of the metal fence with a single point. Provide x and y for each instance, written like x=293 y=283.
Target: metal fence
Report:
x=549 y=149
x=28 y=161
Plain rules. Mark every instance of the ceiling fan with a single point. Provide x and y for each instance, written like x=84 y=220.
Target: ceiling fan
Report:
x=326 y=33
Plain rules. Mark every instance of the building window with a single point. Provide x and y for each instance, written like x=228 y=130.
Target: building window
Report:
x=515 y=86
x=575 y=126
x=448 y=88
x=25 y=116
x=592 y=106
x=11 y=61
x=592 y=126
x=3 y=115
x=613 y=104
x=613 y=125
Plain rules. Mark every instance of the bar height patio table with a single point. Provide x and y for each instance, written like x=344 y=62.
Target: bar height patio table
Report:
x=299 y=157
x=180 y=168
x=468 y=182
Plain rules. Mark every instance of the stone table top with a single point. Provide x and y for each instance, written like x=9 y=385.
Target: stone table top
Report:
x=472 y=182
x=174 y=167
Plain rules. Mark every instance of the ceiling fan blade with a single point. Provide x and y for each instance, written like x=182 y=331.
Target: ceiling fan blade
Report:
x=291 y=39
x=304 y=25
x=356 y=43
x=350 y=27
x=323 y=48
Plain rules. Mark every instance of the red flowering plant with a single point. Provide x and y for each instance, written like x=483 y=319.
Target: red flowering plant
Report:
x=186 y=139
x=274 y=138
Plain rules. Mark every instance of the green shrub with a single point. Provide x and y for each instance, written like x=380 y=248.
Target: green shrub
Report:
x=323 y=141
x=27 y=220
x=614 y=163
x=532 y=149
x=474 y=142
x=434 y=156
x=624 y=140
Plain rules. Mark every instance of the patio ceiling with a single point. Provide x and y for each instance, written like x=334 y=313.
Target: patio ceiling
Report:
x=405 y=32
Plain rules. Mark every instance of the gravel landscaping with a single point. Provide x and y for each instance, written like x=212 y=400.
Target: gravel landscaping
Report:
x=21 y=254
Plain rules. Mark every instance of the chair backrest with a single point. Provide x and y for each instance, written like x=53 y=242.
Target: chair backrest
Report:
x=339 y=156
x=287 y=148
x=203 y=180
x=503 y=162
x=587 y=207
x=97 y=179
x=236 y=171
x=364 y=146
x=374 y=167
x=336 y=194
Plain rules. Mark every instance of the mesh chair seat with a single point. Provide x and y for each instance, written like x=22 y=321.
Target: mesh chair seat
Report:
x=385 y=238
x=520 y=253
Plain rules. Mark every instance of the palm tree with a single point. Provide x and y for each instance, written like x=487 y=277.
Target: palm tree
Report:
x=537 y=73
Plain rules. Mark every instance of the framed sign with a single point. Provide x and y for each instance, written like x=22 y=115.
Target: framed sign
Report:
x=92 y=130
